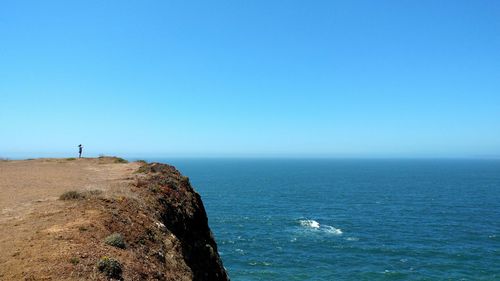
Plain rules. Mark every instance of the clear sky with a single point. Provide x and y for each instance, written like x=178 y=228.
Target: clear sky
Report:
x=250 y=78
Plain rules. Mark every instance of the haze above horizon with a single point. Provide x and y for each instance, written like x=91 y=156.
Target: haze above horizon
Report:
x=250 y=78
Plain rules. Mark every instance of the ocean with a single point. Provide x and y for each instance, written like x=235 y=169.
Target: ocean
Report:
x=320 y=219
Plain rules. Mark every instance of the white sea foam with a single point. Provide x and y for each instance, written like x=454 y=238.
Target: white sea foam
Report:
x=314 y=225
x=332 y=230
x=254 y=263
x=310 y=223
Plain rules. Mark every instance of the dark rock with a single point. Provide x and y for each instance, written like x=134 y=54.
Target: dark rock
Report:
x=182 y=212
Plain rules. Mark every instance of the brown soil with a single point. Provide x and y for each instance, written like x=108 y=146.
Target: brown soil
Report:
x=30 y=184
x=45 y=238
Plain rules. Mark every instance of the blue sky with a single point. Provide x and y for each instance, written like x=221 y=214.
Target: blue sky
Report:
x=250 y=78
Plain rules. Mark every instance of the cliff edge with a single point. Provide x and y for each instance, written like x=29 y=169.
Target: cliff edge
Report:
x=102 y=219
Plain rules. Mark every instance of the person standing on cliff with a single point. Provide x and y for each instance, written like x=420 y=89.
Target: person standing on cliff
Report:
x=80 y=149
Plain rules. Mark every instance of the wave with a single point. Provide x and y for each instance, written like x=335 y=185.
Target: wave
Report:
x=314 y=225
x=309 y=223
x=333 y=230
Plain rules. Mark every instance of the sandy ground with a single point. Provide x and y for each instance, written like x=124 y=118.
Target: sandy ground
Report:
x=33 y=222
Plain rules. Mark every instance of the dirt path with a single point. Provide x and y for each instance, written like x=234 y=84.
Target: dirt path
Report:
x=34 y=224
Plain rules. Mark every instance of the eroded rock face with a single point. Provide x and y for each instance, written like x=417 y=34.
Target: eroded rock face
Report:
x=180 y=209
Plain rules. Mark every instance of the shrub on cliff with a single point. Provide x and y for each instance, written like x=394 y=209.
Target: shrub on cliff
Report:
x=110 y=159
x=74 y=260
x=71 y=195
x=115 y=240
x=144 y=169
x=120 y=160
x=184 y=180
x=111 y=267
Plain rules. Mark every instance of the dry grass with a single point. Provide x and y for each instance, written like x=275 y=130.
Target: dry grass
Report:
x=71 y=195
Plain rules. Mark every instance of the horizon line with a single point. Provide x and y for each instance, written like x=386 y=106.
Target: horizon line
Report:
x=256 y=157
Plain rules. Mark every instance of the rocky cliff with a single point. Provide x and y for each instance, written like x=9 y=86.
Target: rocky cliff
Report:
x=180 y=210
x=119 y=221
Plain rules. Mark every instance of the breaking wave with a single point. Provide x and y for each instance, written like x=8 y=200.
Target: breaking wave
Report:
x=309 y=223
x=314 y=225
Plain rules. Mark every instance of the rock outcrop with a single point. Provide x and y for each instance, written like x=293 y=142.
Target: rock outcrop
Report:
x=180 y=209
x=113 y=221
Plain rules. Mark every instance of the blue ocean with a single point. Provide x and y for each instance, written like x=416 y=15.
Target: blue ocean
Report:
x=352 y=219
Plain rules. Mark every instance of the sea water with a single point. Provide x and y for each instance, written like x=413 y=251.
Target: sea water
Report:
x=352 y=219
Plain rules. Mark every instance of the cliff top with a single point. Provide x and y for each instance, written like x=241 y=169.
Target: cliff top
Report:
x=101 y=219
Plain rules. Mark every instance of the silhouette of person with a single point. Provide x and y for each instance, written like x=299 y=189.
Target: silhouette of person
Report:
x=80 y=149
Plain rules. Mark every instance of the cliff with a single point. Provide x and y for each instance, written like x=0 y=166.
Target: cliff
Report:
x=125 y=221
x=180 y=209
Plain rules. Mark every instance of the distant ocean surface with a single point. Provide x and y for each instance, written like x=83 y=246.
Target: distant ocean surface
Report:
x=352 y=219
